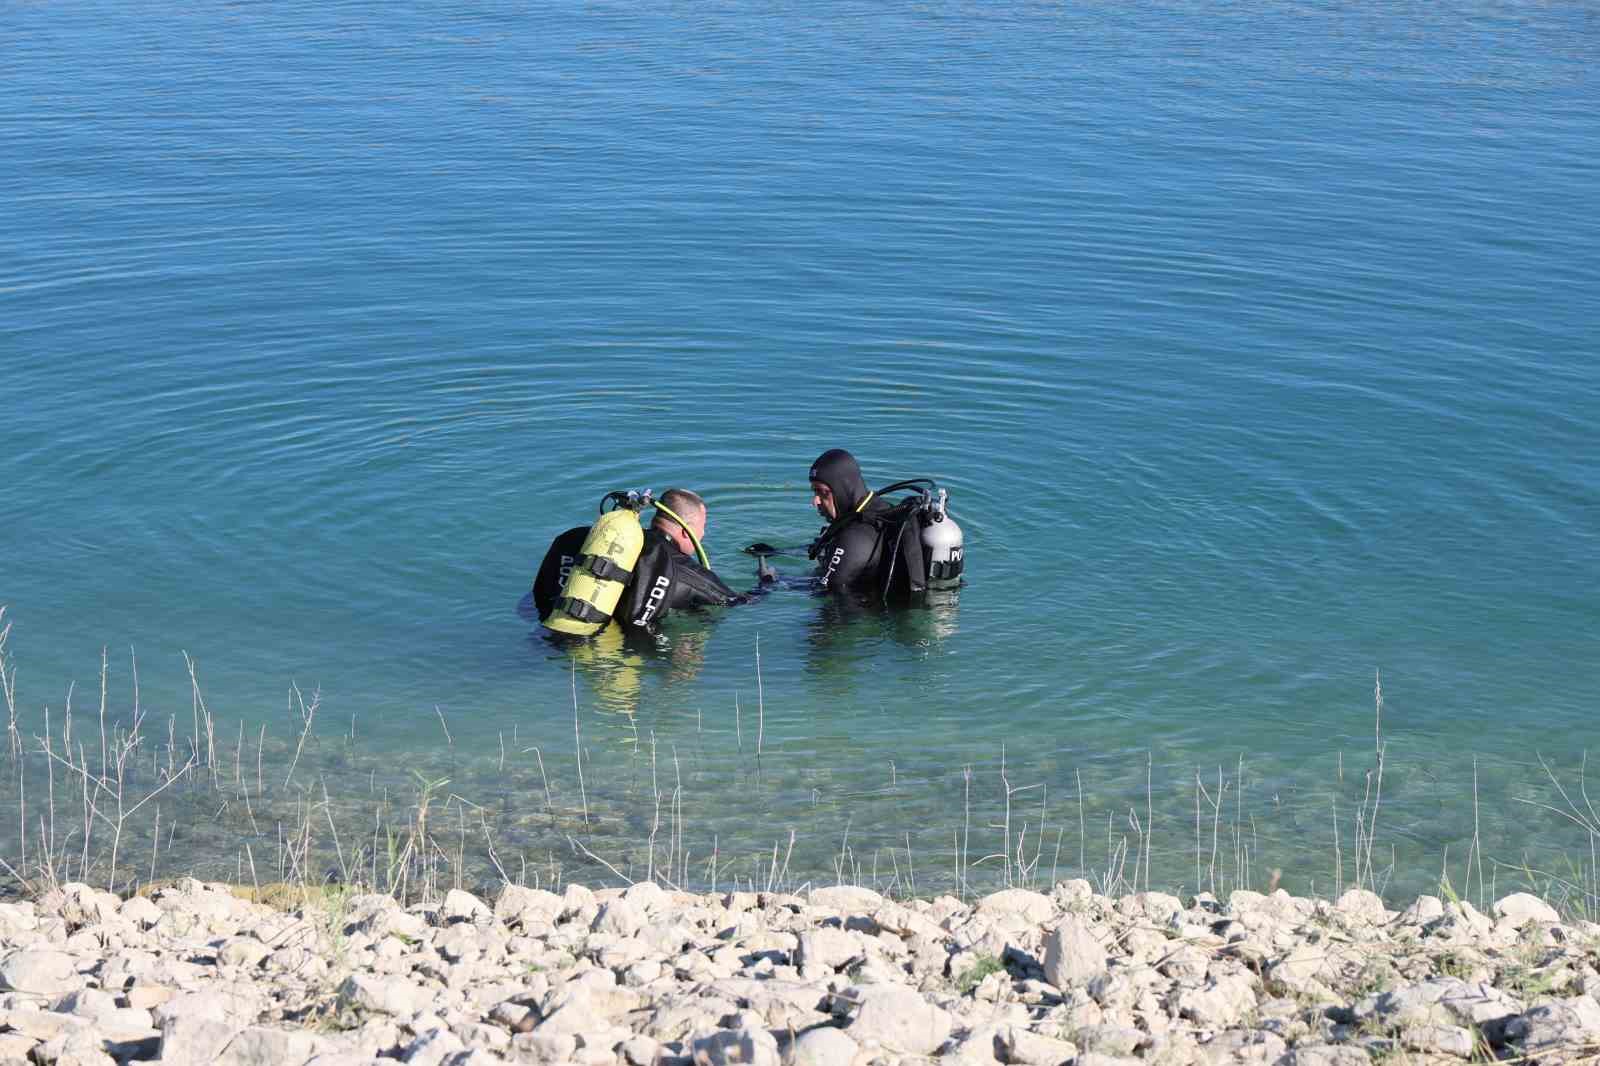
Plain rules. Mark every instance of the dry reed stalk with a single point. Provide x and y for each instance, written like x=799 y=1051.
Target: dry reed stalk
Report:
x=8 y=686
x=966 y=827
x=488 y=840
x=1149 y=817
x=103 y=666
x=843 y=862
x=203 y=715
x=238 y=753
x=1338 y=855
x=783 y=874
x=1083 y=836
x=678 y=849
x=306 y=716
x=577 y=743
x=327 y=810
x=655 y=823
x=1585 y=817
x=543 y=779
x=579 y=847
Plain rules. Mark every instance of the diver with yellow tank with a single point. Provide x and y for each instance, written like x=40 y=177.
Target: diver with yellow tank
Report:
x=617 y=570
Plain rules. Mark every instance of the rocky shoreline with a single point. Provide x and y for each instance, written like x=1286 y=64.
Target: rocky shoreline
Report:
x=643 y=976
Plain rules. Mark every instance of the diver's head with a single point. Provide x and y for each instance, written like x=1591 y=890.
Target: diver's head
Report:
x=687 y=506
x=837 y=486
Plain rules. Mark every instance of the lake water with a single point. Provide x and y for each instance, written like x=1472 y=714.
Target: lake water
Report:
x=1256 y=347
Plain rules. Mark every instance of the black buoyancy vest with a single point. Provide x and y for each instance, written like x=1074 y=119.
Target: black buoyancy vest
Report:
x=666 y=580
x=877 y=550
x=556 y=568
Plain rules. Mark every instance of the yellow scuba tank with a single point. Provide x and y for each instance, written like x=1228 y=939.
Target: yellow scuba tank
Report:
x=605 y=563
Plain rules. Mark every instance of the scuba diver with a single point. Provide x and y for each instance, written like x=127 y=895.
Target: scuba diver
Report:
x=615 y=570
x=886 y=552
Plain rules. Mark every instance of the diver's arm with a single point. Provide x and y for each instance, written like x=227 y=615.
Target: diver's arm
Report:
x=695 y=586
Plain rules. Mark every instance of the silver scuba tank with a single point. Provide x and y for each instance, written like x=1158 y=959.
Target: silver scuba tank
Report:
x=942 y=546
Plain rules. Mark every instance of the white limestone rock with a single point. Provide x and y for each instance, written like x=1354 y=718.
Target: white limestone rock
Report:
x=1223 y=1002
x=1184 y=962
x=1361 y=905
x=639 y=1051
x=1326 y=1055
x=432 y=1048
x=14 y=1047
x=846 y=899
x=1303 y=971
x=647 y=897
x=1439 y=1001
x=1254 y=1047
x=578 y=902
x=88 y=906
x=261 y=1045
x=1422 y=910
x=1439 y=1039
x=1032 y=907
x=243 y=951
x=39 y=972
x=42 y=1025
x=824 y=1046
x=1024 y=1047
x=899 y=1019
x=519 y=906
x=978 y=1046
x=618 y=917
x=735 y=1047
x=196 y=1037
x=394 y=996
x=1109 y=1039
x=77 y=1048
x=462 y=906
x=1520 y=908
x=1073 y=955
x=1552 y=1027
x=827 y=949
x=540 y=1049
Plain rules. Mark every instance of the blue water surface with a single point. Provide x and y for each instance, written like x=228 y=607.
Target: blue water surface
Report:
x=1256 y=346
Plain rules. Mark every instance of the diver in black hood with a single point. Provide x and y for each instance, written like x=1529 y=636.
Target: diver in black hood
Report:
x=863 y=548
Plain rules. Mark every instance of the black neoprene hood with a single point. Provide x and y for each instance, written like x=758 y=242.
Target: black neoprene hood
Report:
x=838 y=469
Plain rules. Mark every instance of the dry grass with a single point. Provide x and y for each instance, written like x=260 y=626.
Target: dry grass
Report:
x=137 y=800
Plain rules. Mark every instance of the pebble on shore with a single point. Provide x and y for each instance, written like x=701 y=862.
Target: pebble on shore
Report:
x=644 y=976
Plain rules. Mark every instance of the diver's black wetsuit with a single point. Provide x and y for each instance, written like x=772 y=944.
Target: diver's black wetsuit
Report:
x=864 y=550
x=664 y=580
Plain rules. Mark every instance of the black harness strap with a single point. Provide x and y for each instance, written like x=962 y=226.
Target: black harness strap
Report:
x=604 y=568
x=583 y=612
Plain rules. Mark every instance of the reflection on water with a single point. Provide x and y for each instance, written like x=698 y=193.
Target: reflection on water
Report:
x=842 y=638
x=617 y=663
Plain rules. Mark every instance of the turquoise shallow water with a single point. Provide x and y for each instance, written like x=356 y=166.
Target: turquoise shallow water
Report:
x=1256 y=347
